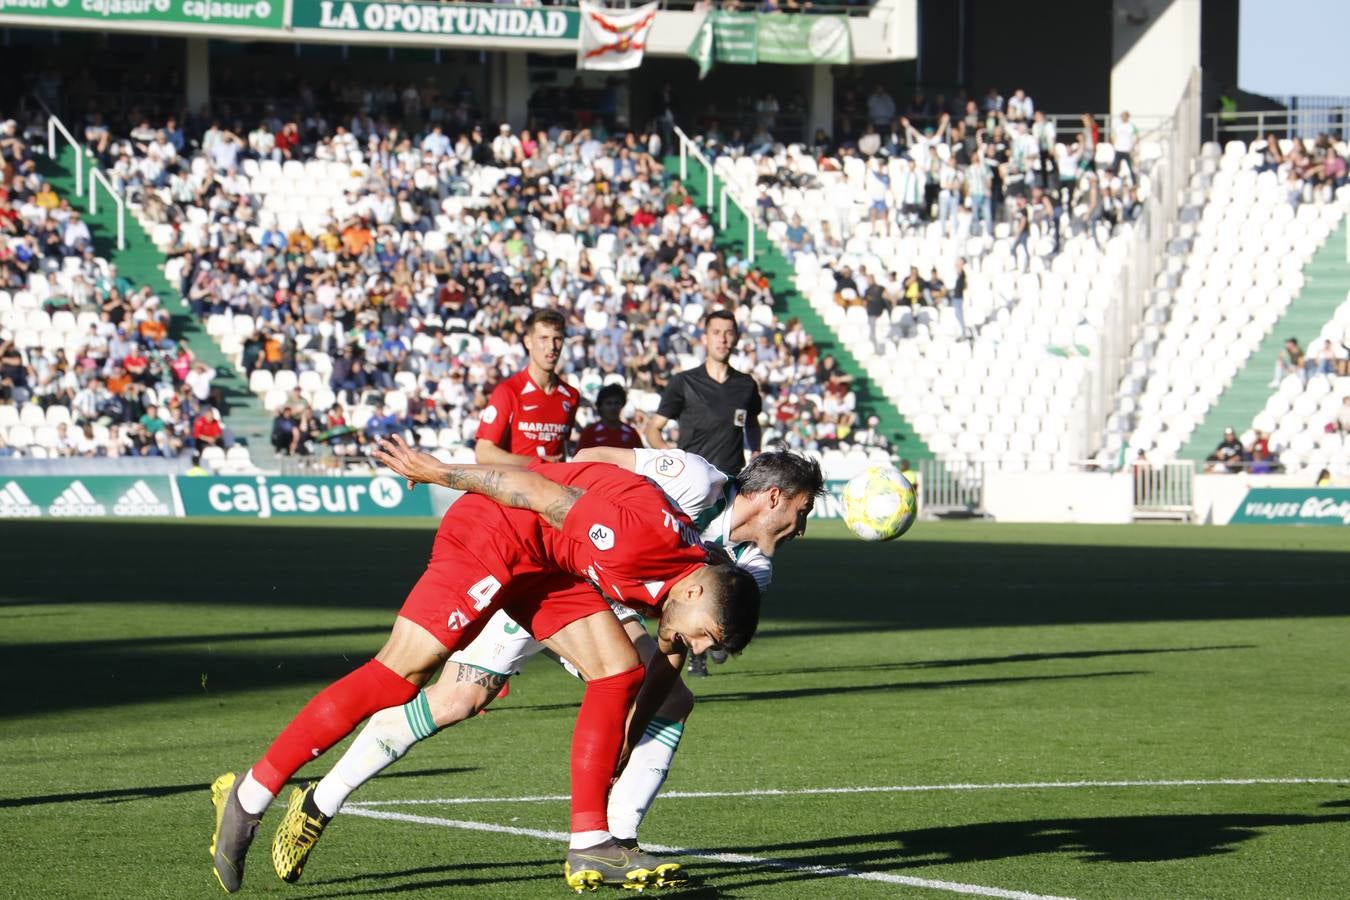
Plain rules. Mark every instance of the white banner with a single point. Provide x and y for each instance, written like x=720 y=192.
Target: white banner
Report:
x=613 y=39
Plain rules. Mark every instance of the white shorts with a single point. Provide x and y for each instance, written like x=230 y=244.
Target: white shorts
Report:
x=502 y=647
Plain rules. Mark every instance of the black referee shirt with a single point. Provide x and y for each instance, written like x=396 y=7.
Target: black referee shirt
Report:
x=714 y=416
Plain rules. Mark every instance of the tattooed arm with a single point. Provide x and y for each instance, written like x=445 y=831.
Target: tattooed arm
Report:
x=508 y=485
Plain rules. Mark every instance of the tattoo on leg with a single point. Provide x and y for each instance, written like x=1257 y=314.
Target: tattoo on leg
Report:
x=488 y=681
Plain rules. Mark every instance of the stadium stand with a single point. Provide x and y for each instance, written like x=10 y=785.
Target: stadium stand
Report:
x=436 y=250
x=1250 y=227
x=88 y=366
x=874 y=241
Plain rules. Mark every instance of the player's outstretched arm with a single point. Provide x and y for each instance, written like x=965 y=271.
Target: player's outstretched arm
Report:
x=623 y=457
x=508 y=485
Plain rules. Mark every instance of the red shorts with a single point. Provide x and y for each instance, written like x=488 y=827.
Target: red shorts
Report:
x=458 y=593
x=546 y=605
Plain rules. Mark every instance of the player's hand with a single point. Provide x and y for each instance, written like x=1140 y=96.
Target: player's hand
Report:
x=414 y=465
x=552 y=457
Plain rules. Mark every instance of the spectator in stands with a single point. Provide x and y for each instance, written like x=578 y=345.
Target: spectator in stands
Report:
x=207 y=430
x=1271 y=156
x=1229 y=456
x=1124 y=138
x=957 y=297
x=1261 y=458
x=286 y=432
x=1020 y=107
x=880 y=107
x=1291 y=361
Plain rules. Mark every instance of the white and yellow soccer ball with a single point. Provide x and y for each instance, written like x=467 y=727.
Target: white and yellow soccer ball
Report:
x=879 y=504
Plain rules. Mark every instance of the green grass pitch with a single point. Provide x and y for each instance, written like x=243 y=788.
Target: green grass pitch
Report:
x=1040 y=664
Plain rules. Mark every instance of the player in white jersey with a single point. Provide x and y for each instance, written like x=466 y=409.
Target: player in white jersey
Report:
x=747 y=516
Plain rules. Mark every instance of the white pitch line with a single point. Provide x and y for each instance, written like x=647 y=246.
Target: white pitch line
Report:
x=955 y=887
x=889 y=789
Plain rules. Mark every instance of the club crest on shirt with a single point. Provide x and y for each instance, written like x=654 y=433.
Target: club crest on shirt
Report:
x=601 y=536
x=738 y=418
x=669 y=466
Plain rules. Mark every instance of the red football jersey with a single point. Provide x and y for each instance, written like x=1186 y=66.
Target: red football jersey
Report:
x=523 y=418
x=624 y=534
x=598 y=434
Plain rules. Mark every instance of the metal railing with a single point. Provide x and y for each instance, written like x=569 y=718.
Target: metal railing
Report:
x=96 y=177
x=719 y=191
x=950 y=488
x=1165 y=491
x=1284 y=123
x=1179 y=137
x=55 y=127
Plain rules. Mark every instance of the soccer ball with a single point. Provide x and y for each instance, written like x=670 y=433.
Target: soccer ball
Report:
x=879 y=504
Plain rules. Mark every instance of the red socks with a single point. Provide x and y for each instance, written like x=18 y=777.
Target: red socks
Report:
x=597 y=742
x=330 y=717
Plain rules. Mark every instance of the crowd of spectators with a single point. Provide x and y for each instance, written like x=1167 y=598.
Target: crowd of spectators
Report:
x=405 y=293
x=87 y=364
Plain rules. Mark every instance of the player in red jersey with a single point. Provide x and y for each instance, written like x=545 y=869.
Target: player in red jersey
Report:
x=610 y=431
x=526 y=545
x=530 y=415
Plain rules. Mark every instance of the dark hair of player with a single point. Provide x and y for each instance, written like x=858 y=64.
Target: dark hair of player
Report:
x=737 y=600
x=549 y=317
x=721 y=314
x=611 y=390
x=791 y=473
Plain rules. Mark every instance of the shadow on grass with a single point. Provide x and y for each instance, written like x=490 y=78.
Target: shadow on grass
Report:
x=1123 y=839
x=839 y=690
x=983 y=660
x=152 y=792
x=932 y=584
x=390 y=883
x=82 y=679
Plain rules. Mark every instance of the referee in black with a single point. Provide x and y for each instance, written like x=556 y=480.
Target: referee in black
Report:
x=716 y=408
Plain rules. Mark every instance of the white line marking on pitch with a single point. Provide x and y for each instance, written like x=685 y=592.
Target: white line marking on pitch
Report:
x=954 y=887
x=890 y=789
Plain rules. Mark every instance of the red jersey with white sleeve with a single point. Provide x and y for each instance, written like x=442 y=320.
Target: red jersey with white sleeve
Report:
x=523 y=418
x=598 y=434
x=623 y=534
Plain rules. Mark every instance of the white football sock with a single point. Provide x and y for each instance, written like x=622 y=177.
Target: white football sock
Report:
x=583 y=839
x=388 y=735
x=253 y=797
x=641 y=779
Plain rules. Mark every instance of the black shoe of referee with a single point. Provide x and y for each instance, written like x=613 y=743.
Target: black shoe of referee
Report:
x=698 y=665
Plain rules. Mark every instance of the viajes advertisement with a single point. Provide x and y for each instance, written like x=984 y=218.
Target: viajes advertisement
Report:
x=445 y=19
x=85 y=496
x=267 y=14
x=263 y=497
x=1294 y=506
x=747 y=38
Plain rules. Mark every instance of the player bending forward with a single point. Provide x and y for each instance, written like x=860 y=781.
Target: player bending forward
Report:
x=527 y=540
x=750 y=516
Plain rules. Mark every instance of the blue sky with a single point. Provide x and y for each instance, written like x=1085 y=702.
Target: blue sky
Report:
x=1294 y=47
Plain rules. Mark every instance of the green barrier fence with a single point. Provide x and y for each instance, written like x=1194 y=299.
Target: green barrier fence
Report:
x=1294 y=506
